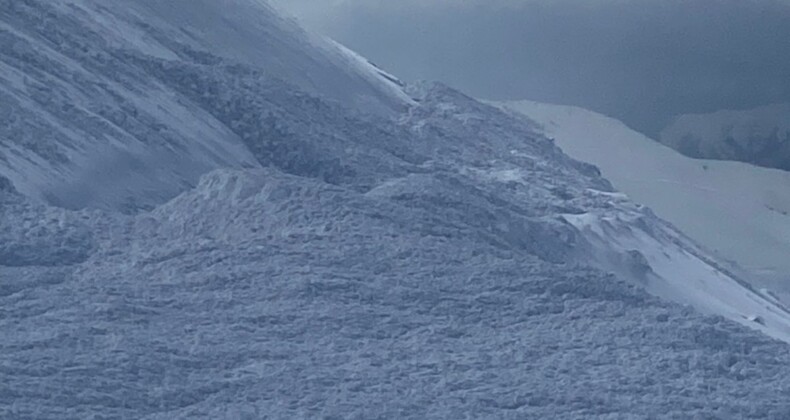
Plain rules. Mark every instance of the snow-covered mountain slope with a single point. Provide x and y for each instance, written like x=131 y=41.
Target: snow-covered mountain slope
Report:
x=739 y=211
x=760 y=136
x=251 y=32
x=262 y=294
x=93 y=115
x=441 y=262
x=464 y=271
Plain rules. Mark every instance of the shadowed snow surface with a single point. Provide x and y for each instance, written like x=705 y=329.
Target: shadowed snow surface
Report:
x=332 y=263
x=107 y=93
x=760 y=136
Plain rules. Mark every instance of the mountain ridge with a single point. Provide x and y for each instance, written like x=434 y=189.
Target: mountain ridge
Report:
x=759 y=136
x=432 y=263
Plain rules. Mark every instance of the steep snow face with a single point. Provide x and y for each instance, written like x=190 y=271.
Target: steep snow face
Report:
x=385 y=81
x=738 y=211
x=636 y=245
x=251 y=32
x=760 y=136
x=85 y=125
x=443 y=254
x=293 y=257
x=103 y=102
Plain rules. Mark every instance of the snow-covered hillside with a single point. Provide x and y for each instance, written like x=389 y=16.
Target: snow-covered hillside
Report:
x=93 y=114
x=739 y=211
x=760 y=136
x=184 y=234
x=262 y=294
x=252 y=32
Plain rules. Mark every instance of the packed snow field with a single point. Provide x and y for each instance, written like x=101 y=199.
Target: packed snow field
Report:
x=739 y=211
x=295 y=255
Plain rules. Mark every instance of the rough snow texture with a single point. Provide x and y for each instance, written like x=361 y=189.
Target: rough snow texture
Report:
x=760 y=136
x=261 y=294
x=421 y=266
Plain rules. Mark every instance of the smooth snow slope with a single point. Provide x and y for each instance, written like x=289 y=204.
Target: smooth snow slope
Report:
x=739 y=211
x=250 y=31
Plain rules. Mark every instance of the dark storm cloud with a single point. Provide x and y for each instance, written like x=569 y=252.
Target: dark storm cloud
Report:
x=639 y=60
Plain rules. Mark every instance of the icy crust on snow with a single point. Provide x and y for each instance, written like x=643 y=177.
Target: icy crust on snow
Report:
x=313 y=300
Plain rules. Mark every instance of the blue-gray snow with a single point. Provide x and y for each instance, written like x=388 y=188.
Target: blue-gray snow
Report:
x=207 y=213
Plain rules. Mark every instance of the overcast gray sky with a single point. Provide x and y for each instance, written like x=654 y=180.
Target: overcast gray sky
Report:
x=639 y=60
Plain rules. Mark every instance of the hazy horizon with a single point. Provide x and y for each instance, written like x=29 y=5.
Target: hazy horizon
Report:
x=640 y=61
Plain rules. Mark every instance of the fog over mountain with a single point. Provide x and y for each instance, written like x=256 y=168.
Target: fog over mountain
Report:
x=639 y=61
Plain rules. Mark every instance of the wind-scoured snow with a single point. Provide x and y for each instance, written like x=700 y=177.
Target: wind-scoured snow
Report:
x=386 y=81
x=246 y=31
x=251 y=32
x=82 y=103
x=430 y=261
x=668 y=267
